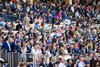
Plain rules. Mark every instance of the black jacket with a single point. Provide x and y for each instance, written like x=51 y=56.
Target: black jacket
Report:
x=42 y=64
x=51 y=64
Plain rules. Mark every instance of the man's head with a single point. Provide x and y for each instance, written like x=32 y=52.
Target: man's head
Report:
x=91 y=55
x=76 y=56
x=81 y=58
x=7 y=38
x=61 y=59
x=57 y=64
x=44 y=59
x=52 y=59
x=69 y=61
x=23 y=64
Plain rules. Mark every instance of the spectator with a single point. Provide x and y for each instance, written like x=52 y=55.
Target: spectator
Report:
x=53 y=50
x=57 y=64
x=61 y=64
x=81 y=62
x=43 y=62
x=46 y=29
x=23 y=64
x=6 y=44
x=52 y=62
x=24 y=51
x=69 y=63
x=1 y=40
x=18 y=26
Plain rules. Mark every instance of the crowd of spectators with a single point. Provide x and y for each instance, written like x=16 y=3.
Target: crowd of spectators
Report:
x=50 y=30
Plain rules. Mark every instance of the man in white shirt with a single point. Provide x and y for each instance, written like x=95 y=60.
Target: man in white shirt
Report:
x=62 y=64
x=81 y=62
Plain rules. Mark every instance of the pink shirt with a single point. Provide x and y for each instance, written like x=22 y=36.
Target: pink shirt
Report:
x=59 y=15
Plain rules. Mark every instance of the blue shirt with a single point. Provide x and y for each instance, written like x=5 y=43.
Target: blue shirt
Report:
x=2 y=23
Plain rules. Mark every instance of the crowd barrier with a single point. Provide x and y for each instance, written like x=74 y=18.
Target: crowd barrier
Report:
x=13 y=59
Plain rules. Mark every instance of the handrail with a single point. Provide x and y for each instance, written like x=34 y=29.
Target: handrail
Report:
x=15 y=58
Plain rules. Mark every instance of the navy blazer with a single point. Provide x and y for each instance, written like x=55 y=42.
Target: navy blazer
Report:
x=76 y=50
x=18 y=48
x=28 y=49
x=42 y=64
x=6 y=47
x=13 y=46
x=51 y=64
x=53 y=52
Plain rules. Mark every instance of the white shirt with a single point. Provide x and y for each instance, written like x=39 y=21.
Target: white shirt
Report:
x=24 y=51
x=67 y=21
x=26 y=18
x=1 y=44
x=28 y=9
x=62 y=65
x=9 y=46
x=72 y=8
x=52 y=34
x=81 y=64
x=2 y=23
x=33 y=51
x=65 y=51
x=36 y=51
x=77 y=14
x=95 y=50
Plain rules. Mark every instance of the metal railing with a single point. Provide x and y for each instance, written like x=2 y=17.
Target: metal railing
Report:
x=15 y=58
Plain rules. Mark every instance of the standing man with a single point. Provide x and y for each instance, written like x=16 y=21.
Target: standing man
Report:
x=6 y=44
x=81 y=62
x=43 y=62
x=61 y=64
x=52 y=63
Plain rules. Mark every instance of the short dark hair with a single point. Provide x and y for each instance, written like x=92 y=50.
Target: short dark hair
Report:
x=6 y=38
x=50 y=58
x=68 y=60
x=57 y=62
x=43 y=58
